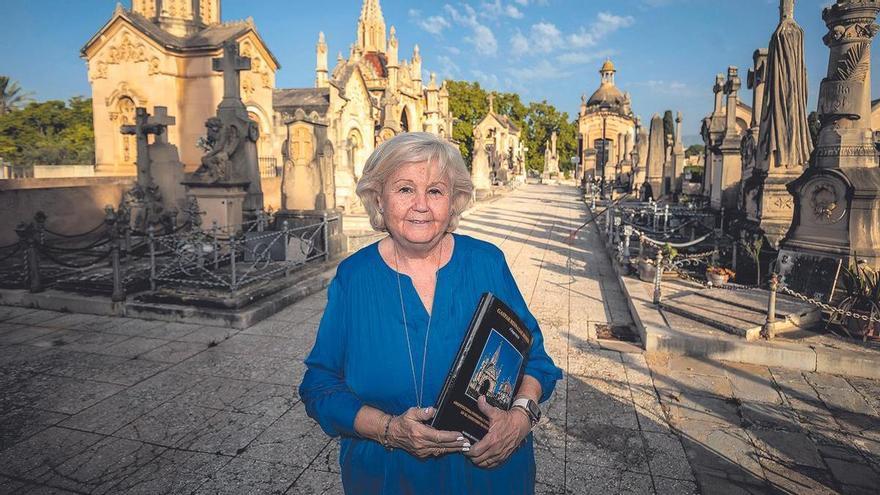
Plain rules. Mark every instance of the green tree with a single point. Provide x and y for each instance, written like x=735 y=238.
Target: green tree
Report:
x=49 y=133
x=12 y=96
x=542 y=119
x=694 y=150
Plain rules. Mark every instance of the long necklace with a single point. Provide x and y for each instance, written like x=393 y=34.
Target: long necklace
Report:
x=419 y=389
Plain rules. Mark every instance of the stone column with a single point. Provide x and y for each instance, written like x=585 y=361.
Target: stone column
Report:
x=677 y=157
x=845 y=93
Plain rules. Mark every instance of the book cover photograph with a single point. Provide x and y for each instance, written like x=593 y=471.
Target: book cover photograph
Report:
x=490 y=363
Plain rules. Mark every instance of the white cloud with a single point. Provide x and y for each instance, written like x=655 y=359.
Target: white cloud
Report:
x=497 y=9
x=544 y=37
x=579 y=58
x=481 y=36
x=663 y=87
x=519 y=44
x=434 y=24
x=487 y=80
x=448 y=69
x=453 y=50
x=542 y=71
x=605 y=24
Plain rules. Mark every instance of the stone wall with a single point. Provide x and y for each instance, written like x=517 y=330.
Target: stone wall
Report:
x=73 y=205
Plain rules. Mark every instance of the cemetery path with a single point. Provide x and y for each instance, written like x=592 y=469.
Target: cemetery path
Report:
x=92 y=404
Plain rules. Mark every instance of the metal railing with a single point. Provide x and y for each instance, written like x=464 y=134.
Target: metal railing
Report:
x=269 y=167
x=114 y=258
x=619 y=233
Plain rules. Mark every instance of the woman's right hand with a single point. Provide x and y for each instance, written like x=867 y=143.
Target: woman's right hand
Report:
x=409 y=432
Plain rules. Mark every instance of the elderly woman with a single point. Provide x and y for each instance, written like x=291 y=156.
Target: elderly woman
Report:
x=381 y=357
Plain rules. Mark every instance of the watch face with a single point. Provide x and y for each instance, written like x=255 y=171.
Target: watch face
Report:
x=534 y=410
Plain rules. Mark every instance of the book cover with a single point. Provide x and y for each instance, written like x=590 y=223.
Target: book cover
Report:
x=489 y=362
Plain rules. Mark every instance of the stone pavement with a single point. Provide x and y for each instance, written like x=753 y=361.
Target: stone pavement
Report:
x=93 y=404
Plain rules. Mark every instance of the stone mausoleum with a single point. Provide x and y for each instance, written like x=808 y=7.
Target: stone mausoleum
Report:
x=159 y=52
x=606 y=127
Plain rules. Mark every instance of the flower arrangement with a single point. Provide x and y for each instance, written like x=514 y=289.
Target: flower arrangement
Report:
x=721 y=271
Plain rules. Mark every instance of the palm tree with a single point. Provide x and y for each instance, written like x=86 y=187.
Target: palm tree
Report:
x=11 y=95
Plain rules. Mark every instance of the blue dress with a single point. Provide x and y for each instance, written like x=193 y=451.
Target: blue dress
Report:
x=360 y=358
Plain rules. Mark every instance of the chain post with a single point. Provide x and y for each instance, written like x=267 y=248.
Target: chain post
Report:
x=658 y=274
x=627 y=232
x=29 y=236
x=766 y=332
x=326 y=235
x=216 y=244
x=112 y=221
x=233 y=277
x=641 y=246
x=665 y=218
x=151 y=241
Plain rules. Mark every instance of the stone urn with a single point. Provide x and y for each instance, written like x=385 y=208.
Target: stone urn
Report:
x=647 y=270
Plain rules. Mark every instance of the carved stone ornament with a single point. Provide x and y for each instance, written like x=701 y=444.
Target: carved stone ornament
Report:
x=126 y=51
x=826 y=201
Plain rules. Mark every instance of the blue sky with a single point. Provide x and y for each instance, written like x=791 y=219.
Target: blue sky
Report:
x=667 y=52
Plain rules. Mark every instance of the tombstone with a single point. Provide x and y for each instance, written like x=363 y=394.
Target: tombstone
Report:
x=656 y=154
x=308 y=188
x=755 y=81
x=640 y=156
x=727 y=176
x=480 y=171
x=713 y=134
x=157 y=191
x=227 y=184
x=837 y=199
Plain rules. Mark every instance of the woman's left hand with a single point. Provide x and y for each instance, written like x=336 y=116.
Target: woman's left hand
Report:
x=507 y=429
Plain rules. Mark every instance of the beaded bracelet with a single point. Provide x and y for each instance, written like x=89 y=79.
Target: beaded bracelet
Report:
x=385 y=435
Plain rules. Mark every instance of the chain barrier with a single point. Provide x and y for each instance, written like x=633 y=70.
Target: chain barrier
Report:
x=827 y=307
x=73 y=236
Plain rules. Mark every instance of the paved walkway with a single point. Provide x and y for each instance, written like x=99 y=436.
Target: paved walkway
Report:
x=109 y=405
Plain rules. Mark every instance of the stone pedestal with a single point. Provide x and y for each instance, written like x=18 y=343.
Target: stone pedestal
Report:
x=336 y=241
x=726 y=183
x=837 y=213
x=221 y=202
x=769 y=206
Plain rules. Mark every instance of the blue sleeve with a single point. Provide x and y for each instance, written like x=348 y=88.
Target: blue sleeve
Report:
x=327 y=397
x=539 y=365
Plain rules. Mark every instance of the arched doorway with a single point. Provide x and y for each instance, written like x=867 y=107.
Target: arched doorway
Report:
x=404 y=121
x=126 y=150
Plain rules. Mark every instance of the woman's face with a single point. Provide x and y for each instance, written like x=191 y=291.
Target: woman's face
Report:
x=416 y=201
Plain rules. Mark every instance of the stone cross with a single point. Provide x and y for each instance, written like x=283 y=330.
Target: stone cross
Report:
x=143 y=127
x=230 y=64
x=161 y=120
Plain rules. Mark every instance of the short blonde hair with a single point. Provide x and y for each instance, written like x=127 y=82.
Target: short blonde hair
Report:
x=414 y=147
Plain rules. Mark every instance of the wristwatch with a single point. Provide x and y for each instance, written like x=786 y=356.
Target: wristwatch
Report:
x=531 y=408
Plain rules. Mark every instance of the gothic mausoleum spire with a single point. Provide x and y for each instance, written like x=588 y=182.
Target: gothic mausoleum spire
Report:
x=371 y=28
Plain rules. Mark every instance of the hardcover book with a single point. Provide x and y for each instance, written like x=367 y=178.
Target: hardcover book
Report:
x=489 y=362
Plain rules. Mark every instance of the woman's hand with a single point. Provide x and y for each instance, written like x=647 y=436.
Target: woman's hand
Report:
x=409 y=432
x=507 y=429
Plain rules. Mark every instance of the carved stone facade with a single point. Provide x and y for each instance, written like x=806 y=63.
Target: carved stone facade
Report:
x=159 y=54
x=366 y=99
